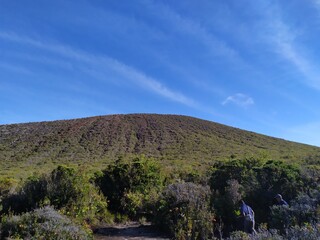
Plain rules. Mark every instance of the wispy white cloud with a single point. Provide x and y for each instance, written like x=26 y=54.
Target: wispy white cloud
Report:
x=239 y=99
x=182 y=24
x=283 y=37
x=284 y=40
x=128 y=72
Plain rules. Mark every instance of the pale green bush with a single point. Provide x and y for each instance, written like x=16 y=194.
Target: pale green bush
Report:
x=44 y=223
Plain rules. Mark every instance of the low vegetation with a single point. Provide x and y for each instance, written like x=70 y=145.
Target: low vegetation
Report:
x=67 y=202
x=43 y=223
x=64 y=189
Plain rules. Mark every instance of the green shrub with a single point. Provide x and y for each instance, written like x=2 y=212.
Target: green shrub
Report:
x=66 y=190
x=259 y=182
x=28 y=197
x=184 y=212
x=44 y=223
x=63 y=186
x=131 y=187
x=6 y=185
x=305 y=209
x=227 y=205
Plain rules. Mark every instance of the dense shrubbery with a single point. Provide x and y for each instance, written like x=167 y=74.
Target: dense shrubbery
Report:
x=257 y=182
x=202 y=208
x=65 y=189
x=184 y=212
x=303 y=211
x=308 y=232
x=6 y=185
x=131 y=187
x=44 y=223
x=262 y=234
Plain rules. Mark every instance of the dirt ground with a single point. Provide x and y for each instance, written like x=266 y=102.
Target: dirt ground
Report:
x=130 y=231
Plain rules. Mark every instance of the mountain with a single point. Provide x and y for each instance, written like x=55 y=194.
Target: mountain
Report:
x=169 y=138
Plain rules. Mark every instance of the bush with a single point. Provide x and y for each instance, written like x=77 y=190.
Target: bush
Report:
x=63 y=186
x=184 y=213
x=131 y=187
x=29 y=196
x=262 y=234
x=259 y=182
x=308 y=232
x=44 y=223
x=227 y=205
x=243 y=171
x=66 y=190
x=305 y=209
x=275 y=177
x=6 y=186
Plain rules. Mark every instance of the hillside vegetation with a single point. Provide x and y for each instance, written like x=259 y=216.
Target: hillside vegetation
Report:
x=185 y=175
x=168 y=138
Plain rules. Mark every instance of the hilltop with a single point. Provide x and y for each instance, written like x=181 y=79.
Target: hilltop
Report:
x=168 y=138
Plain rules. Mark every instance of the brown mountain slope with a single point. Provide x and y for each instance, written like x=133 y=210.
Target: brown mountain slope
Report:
x=166 y=137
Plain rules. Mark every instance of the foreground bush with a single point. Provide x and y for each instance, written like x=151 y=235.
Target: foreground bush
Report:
x=44 y=223
x=308 y=232
x=66 y=190
x=303 y=210
x=261 y=235
x=184 y=211
x=131 y=187
x=258 y=182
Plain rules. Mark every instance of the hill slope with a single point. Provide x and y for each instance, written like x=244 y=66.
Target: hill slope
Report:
x=166 y=137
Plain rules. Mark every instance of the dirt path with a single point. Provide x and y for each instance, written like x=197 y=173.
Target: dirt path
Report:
x=131 y=231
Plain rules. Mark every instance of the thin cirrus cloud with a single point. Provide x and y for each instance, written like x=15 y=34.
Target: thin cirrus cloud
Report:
x=283 y=40
x=239 y=99
x=216 y=46
x=128 y=72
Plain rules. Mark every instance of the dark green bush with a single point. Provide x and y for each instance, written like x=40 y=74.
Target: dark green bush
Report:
x=184 y=212
x=66 y=190
x=44 y=223
x=29 y=196
x=131 y=187
x=227 y=205
x=63 y=186
x=259 y=182
x=275 y=177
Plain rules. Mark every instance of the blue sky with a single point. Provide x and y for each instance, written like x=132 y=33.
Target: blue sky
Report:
x=249 y=64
